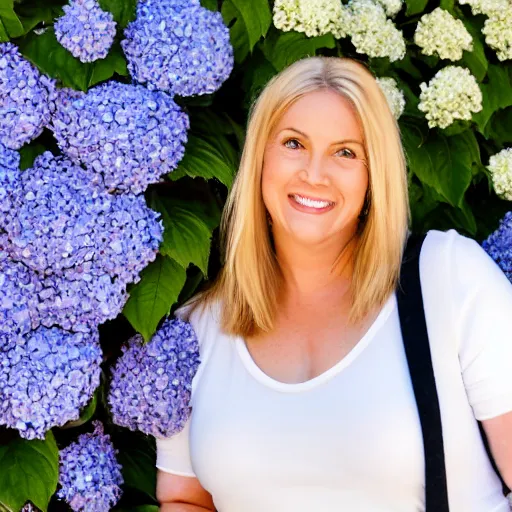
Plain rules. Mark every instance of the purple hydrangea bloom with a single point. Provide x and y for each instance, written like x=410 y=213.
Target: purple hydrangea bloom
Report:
x=86 y=30
x=24 y=98
x=19 y=287
x=129 y=134
x=46 y=377
x=85 y=244
x=9 y=182
x=89 y=474
x=178 y=46
x=499 y=245
x=151 y=383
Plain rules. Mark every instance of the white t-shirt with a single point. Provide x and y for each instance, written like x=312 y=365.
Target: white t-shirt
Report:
x=350 y=439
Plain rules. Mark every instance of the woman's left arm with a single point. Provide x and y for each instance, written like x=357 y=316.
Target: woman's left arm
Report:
x=482 y=298
x=499 y=434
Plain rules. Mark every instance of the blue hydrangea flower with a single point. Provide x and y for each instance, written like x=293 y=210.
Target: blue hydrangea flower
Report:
x=151 y=383
x=130 y=135
x=178 y=46
x=86 y=30
x=89 y=474
x=46 y=377
x=499 y=245
x=24 y=98
x=19 y=288
x=9 y=182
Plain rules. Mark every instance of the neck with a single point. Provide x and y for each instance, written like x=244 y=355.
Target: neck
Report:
x=315 y=273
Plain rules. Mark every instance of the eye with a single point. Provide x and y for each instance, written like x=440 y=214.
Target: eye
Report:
x=350 y=153
x=292 y=140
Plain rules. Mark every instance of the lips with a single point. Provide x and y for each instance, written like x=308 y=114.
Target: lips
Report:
x=309 y=204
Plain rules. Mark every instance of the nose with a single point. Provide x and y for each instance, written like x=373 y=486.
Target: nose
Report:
x=314 y=171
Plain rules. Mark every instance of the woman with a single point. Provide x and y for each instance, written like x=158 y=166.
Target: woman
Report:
x=303 y=400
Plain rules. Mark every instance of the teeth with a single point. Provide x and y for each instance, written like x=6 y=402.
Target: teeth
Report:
x=311 y=202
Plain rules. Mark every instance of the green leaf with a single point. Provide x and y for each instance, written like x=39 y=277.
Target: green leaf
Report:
x=443 y=163
x=12 y=26
x=187 y=231
x=114 y=62
x=475 y=60
x=257 y=18
x=28 y=154
x=237 y=31
x=153 y=296
x=29 y=470
x=415 y=7
x=123 y=10
x=202 y=159
x=4 y=36
x=211 y=5
x=499 y=128
x=33 y=12
x=137 y=457
x=284 y=48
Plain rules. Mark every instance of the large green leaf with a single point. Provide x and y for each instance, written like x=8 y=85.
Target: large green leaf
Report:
x=187 y=230
x=203 y=160
x=33 y=12
x=284 y=48
x=12 y=26
x=496 y=92
x=415 y=7
x=123 y=10
x=443 y=163
x=29 y=470
x=475 y=60
x=51 y=58
x=499 y=128
x=253 y=20
x=153 y=296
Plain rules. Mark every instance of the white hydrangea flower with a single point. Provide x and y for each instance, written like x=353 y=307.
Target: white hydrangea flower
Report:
x=439 y=33
x=372 y=33
x=500 y=167
x=486 y=7
x=392 y=7
x=452 y=94
x=393 y=94
x=313 y=17
x=498 y=32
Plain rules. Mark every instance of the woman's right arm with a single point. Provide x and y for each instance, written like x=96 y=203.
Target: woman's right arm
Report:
x=182 y=494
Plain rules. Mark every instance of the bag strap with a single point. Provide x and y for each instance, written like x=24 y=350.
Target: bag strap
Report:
x=419 y=360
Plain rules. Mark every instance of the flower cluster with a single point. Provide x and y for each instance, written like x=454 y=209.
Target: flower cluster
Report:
x=392 y=7
x=127 y=133
x=84 y=243
x=86 y=30
x=439 y=33
x=151 y=384
x=452 y=94
x=486 y=7
x=499 y=245
x=372 y=33
x=9 y=183
x=393 y=94
x=19 y=287
x=89 y=474
x=498 y=32
x=46 y=376
x=313 y=17
x=179 y=47
x=500 y=167
x=24 y=98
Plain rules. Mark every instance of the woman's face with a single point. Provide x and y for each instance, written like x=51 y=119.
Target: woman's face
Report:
x=314 y=177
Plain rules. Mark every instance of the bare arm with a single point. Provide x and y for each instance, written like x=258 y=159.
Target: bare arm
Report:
x=182 y=494
x=499 y=433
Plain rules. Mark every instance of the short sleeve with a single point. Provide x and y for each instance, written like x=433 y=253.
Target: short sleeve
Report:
x=173 y=453
x=483 y=307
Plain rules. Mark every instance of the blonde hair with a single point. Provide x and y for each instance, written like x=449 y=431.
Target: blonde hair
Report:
x=249 y=280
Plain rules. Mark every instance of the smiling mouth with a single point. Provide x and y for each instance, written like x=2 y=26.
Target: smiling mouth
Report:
x=319 y=204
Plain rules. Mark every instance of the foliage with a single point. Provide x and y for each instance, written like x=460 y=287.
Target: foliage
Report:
x=450 y=183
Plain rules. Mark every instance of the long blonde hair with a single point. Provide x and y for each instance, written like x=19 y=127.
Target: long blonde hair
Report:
x=249 y=280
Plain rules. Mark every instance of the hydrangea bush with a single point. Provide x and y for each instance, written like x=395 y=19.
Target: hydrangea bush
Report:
x=121 y=126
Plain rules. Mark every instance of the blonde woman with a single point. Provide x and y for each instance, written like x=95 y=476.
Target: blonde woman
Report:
x=303 y=399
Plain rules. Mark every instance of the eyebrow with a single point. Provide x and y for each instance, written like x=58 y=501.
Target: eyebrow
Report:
x=338 y=142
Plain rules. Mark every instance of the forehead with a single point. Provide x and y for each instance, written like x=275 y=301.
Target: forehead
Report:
x=324 y=112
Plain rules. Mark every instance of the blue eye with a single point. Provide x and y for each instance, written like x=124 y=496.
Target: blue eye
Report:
x=290 y=140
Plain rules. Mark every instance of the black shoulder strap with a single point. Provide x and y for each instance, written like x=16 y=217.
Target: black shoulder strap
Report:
x=417 y=349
